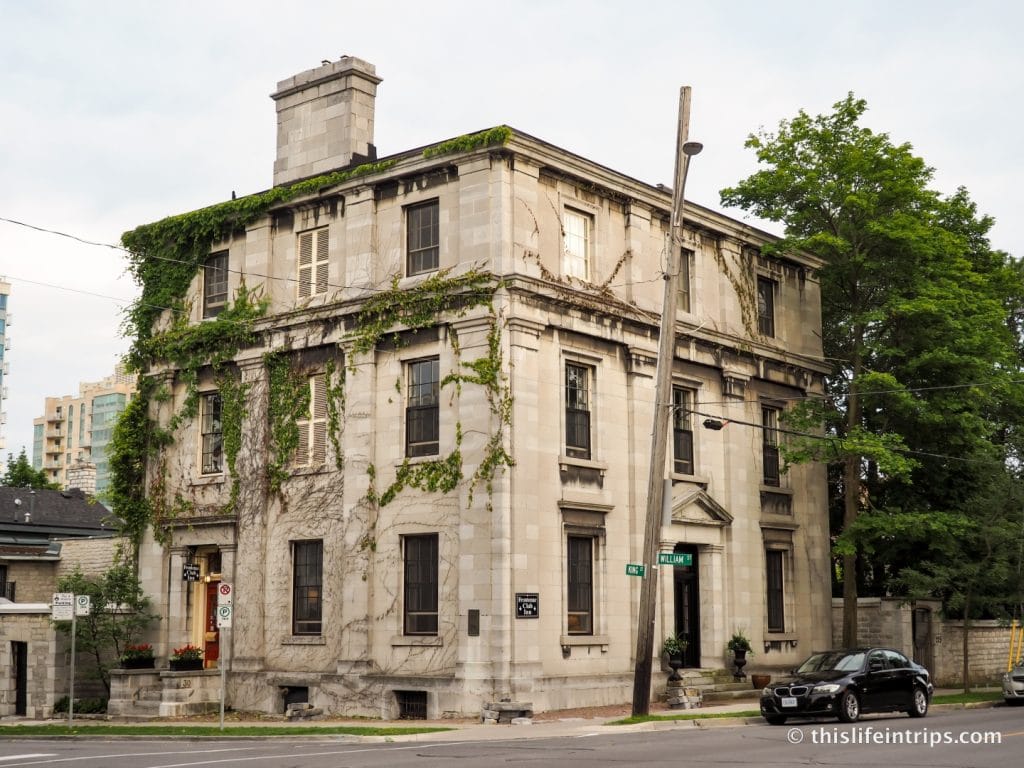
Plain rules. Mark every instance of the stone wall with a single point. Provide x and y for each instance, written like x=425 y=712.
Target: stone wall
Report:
x=28 y=624
x=989 y=643
x=889 y=622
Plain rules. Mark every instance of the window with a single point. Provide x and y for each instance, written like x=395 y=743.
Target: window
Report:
x=683 y=302
x=682 y=431
x=307 y=587
x=766 y=306
x=312 y=448
x=215 y=284
x=577 y=411
x=212 y=435
x=576 y=228
x=313 y=259
x=770 y=445
x=581 y=585
x=774 y=561
x=421 y=412
x=423 y=237
x=420 y=587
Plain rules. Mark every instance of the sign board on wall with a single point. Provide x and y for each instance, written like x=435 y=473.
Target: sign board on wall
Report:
x=527 y=605
x=190 y=572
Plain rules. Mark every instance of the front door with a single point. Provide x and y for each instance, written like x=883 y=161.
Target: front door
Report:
x=212 y=638
x=687 y=604
x=19 y=654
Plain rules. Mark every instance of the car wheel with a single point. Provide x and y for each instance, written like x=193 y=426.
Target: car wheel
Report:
x=849 y=707
x=1012 y=702
x=775 y=719
x=919 y=705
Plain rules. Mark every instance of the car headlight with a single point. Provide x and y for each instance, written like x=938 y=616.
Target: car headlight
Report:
x=825 y=688
x=766 y=691
x=1006 y=677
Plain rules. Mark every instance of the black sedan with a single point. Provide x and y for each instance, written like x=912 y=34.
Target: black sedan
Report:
x=845 y=684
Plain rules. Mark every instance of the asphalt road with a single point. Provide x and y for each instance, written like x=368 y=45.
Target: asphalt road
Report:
x=890 y=740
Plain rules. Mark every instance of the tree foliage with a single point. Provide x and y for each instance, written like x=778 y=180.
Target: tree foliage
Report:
x=20 y=474
x=120 y=613
x=921 y=321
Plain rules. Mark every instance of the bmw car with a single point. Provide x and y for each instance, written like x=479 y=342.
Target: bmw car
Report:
x=848 y=683
x=1013 y=685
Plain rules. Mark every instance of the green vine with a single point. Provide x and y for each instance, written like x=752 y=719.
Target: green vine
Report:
x=288 y=402
x=335 y=410
x=499 y=135
x=165 y=256
x=232 y=408
x=418 y=307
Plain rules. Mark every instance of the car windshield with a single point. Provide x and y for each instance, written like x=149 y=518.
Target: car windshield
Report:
x=832 y=662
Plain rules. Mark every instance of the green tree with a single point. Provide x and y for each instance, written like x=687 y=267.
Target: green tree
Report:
x=914 y=320
x=20 y=474
x=120 y=613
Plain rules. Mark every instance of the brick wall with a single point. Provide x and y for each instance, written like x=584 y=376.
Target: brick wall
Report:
x=987 y=657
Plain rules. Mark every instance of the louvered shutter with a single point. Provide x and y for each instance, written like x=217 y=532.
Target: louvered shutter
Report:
x=305 y=264
x=319 y=426
x=321 y=261
x=302 y=450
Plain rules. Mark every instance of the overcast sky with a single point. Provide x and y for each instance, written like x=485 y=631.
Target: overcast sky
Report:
x=115 y=114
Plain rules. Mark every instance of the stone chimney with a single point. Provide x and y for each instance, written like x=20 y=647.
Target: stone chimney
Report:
x=325 y=119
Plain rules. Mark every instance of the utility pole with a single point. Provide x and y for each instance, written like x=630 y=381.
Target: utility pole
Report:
x=662 y=410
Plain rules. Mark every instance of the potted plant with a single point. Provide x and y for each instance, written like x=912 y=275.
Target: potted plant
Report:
x=674 y=647
x=187 y=658
x=740 y=647
x=139 y=656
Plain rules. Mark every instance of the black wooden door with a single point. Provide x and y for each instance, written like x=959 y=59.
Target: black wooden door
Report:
x=687 y=604
x=19 y=654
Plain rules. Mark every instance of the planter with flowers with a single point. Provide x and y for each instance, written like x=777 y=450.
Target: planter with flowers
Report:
x=137 y=656
x=188 y=658
x=740 y=647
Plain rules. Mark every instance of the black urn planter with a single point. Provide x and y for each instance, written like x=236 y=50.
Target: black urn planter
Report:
x=138 y=663
x=739 y=660
x=186 y=665
x=675 y=661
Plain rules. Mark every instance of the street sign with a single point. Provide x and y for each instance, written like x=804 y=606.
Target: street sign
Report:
x=83 y=605
x=225 y=594
x=675 y=558
x=63 y=606
x=190 y=572
x=223 y=616
x=634 y=569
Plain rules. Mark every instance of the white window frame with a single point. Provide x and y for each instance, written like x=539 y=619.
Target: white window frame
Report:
x=577 y=243
x=207 y=431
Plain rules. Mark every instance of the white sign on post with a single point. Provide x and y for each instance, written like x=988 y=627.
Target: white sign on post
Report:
x=83 y=605
x=224 y=594
x=223 y=616
x=63 y=606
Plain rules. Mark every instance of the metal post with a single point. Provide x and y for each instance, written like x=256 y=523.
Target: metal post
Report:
x=71 y=684
x=223 y=681
x=662 y=411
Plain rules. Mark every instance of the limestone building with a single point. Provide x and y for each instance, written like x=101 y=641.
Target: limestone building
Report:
x=420 y=456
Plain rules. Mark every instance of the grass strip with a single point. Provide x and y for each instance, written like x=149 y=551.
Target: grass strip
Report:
x=10 y=731
x=632 y=720
x=967 y=698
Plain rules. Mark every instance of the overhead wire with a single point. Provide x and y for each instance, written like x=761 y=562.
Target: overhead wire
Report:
x=371 y=289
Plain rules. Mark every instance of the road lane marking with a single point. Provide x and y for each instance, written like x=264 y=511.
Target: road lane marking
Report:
x=29 y=756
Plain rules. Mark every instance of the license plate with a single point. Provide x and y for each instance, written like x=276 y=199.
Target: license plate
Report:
x=789 y=701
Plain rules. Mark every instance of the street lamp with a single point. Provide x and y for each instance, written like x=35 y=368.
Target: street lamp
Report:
x=662 y=410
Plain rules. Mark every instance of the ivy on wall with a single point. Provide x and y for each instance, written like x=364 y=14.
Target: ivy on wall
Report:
x=164 y=258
